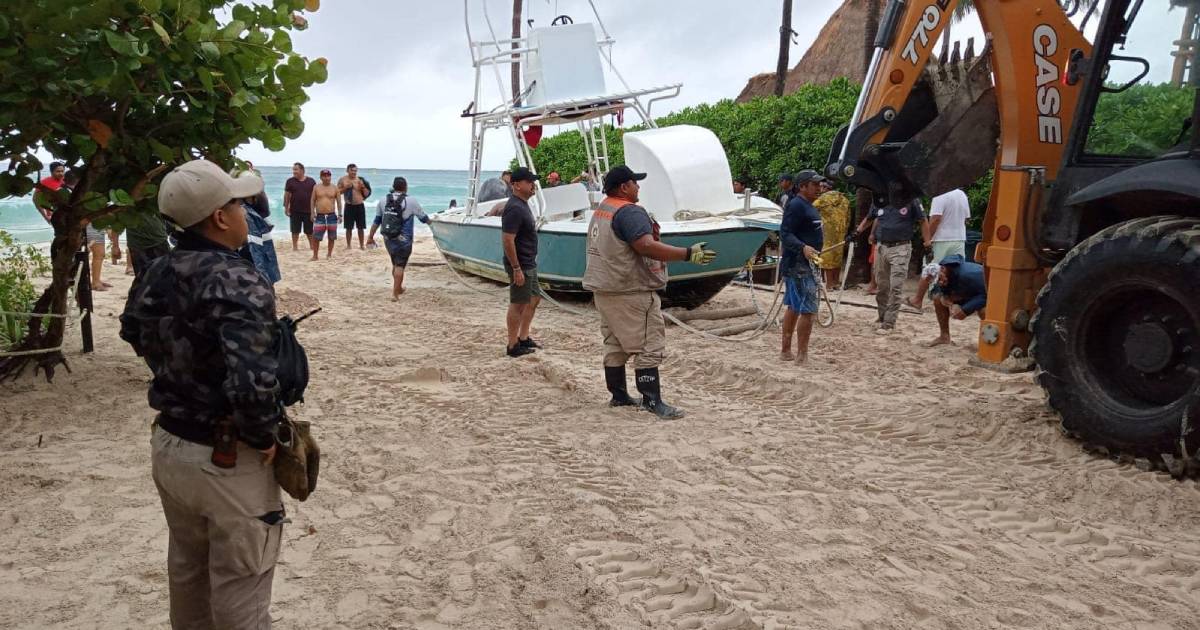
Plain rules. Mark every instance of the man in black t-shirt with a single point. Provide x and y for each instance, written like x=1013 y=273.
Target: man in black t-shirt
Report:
x=297 y=203
x=520 y=243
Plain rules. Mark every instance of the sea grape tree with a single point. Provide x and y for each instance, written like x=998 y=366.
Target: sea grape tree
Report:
x=122 y=90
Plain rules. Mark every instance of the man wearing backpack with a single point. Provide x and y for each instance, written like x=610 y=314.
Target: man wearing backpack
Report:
x=394 y=217
x=203 y=319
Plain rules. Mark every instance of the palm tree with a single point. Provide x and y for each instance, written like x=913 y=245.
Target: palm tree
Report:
x=785 y=42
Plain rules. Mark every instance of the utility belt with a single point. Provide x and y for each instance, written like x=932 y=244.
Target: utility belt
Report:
x=893 y=243
x=297 y=455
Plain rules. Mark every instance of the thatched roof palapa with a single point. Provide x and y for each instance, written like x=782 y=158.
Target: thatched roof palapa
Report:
x=839 y=51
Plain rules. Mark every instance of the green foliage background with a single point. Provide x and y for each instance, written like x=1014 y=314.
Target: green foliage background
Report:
x=763 y=138
x=118 y=88
x=19 y=264
x=773 y=135
x=1143 y=121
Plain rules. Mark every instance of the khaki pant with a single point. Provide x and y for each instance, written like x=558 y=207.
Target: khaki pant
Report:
x=891 y=269
x=221 y=555
x=632 y=324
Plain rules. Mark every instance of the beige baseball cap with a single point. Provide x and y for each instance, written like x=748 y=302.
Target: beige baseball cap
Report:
x=190 y=193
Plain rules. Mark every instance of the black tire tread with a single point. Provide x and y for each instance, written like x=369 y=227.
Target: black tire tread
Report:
x=1166 y=229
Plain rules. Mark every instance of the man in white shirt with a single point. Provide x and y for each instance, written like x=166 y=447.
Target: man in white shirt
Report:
x=948 y=222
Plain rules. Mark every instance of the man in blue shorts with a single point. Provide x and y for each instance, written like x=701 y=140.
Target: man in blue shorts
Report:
x=394 y=216
x=801 y=235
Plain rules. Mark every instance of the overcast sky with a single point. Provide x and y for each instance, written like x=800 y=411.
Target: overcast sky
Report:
x=400 y=70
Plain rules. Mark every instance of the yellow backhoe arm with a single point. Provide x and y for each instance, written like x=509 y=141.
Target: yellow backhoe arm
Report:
x=903 y=131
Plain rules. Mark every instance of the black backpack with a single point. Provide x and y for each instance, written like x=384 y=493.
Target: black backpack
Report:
x=292 y=370
x=393 y=216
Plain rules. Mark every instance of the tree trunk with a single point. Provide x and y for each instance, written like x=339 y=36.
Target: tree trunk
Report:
x=785 y=44
x=47 y=332
x=516 y=66
x=872 y=28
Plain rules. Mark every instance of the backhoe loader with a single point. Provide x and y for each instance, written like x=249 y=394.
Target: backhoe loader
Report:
x=1088 y=114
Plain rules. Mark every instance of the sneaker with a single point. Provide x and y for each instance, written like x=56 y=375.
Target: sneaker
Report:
x=518 y=351
x=529 y=342
x=883 y=330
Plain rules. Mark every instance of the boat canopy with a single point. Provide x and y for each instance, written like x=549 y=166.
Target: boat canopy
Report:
x=686 y=169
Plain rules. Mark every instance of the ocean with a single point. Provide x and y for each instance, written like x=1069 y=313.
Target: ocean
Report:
x=434 y=189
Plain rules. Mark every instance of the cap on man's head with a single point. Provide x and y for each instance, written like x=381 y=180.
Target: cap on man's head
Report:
x=808 y=175
x=522 y=174
x=326 y=171
x=620 y=175
x=190 y=193
x=786 y=177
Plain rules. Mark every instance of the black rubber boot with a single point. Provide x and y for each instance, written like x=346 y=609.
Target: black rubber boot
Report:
x=648 y=385
x=614 y=377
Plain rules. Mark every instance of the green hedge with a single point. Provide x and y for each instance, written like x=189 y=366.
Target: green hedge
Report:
x=773 y=135
x=763 y=138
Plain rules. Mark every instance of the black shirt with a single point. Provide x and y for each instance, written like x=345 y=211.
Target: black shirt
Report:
x=631 y=223
x=517 y=218
x=301 y=202
x=801 y=225
x=895 y=225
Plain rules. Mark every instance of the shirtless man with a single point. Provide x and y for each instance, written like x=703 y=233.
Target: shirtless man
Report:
x=355 y=193
x=327 y=205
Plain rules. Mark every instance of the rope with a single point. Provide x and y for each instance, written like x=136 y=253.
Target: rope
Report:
x=67 y=316
x=771 y=317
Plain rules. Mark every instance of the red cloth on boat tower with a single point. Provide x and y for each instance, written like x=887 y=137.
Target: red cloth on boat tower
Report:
x=533 y=135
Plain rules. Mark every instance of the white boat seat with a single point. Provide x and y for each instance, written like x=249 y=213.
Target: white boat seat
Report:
x=562 y=202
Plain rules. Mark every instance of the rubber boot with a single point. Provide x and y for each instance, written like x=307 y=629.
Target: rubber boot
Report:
x=614 y=377
x=648 y=384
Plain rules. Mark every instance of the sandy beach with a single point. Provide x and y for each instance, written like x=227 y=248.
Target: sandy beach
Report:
x=885 y=485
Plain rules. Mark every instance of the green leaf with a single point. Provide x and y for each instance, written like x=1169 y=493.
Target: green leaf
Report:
x=152 y=6
x=266 y=107
x=239 y=98
x=162 y=32
x=3 y=26
x=162 y=151
x=317 y=71
x=206 y=78
x=124 y=44
x=209 y=51
x=85 y=145
x=282 y=41
x=119 y=197
x=233 y=30
x=273 y=140
x=94 y=201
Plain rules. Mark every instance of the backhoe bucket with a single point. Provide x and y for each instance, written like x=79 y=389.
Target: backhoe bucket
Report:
x=959 y=145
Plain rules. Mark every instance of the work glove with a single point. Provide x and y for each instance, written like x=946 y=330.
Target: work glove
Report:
x=698 y=255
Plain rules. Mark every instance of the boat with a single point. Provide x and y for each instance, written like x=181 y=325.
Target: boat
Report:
x=688 y=188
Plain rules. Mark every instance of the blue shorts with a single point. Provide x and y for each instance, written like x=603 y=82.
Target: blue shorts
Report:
x=800 y=294
x=325 y=224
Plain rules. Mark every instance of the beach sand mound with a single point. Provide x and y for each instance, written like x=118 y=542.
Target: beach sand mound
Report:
x=884 y=485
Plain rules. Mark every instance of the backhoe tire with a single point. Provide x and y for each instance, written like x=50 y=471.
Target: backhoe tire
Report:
x=1116 y=339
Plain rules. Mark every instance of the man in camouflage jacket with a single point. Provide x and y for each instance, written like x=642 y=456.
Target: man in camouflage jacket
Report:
x=203 y=319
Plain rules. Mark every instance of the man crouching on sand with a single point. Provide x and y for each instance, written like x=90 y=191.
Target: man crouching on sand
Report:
x=203 y=319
